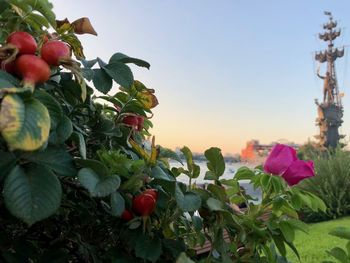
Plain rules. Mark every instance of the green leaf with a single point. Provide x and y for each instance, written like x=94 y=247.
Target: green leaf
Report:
x=187 y=202
x=197 y=223
x=24 y=124
x=244 y=173
x=79 y=140
x=218 y=192
x=97 y=185
x=120 y=73
x=167 y=153
x=44 y=7
x=215 y=204
x=194 y=169
x=117 y=204
x=56 y=159
x=216 y=162
x=279 y=242
x=341 y=231
x=37 y=21
x=7 y=162
x=148 y=248
x=95 y=165
x=119 y=57
x=7 y=80
x=32 y=194
x=102 y=81
x=339 y=254
x=52 y=105
x=63 y=131
x=183 y=258
x=158 y=173
x=89 y=63
x=287 y=231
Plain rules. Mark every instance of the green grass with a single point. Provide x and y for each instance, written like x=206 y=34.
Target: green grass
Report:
x=312 y=247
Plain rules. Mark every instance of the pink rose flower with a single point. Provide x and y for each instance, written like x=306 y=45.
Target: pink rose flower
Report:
x=279 y=159
x=299 y=170
x=283 y=161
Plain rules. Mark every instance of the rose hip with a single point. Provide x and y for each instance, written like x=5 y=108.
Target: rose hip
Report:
x=54 y=52
x=127 y=215
x=24 y=41
x=143 y=204
x=32 y=69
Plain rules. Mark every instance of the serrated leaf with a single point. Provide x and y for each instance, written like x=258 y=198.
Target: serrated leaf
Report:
x=167 y=153
x=117 y=204
x=45 y=8
x=244 y=173
x=56 y=159
x=63 y=131
x=52 y=105
x=98 y=185
x=120 y=73
x=215 y=205
x=188 y=201
x=119 y=57
x=160 y=174
x=189 y=159
x=32 y=194
x=102 y=81
x=216 y=162
x=89 y=63
x=24 y=124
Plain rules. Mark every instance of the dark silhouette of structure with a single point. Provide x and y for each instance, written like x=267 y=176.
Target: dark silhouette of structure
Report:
x=330 y=111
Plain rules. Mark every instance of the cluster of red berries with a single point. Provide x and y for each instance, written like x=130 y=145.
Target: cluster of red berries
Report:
x=32 y=68
x=142 y=205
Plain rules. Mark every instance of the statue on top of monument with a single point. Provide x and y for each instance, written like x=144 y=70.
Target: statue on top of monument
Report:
x=328 y=86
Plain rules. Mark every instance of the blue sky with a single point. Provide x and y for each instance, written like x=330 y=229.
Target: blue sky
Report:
x=224 y=71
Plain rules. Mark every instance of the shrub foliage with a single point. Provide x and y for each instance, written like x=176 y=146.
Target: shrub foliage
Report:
x=72 y=163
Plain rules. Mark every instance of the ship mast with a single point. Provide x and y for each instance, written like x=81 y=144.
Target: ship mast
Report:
x=330 y=111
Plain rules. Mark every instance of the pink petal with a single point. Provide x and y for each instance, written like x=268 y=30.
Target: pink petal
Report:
x=279 y=159
x=299 y=170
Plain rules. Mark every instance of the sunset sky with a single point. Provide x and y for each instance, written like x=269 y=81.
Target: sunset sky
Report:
x=226 y=71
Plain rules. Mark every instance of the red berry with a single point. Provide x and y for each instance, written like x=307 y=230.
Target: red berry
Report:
x=140 y=121
x=54 y=51
x=9 y=67
x=24 y=41
x=127 y=215
x=32 y=69
x=143 y=204
x=131 y=121
x=152 y=192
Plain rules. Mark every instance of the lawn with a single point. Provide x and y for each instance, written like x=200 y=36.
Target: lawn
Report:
x=312 y=247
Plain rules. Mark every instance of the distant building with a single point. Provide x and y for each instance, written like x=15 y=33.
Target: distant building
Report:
x=254 y=152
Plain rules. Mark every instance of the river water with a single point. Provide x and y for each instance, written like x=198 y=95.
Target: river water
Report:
x=230 y=170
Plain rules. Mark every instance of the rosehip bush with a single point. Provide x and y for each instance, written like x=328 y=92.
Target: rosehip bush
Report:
x=79 y=183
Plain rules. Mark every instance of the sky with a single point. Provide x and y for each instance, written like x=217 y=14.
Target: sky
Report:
x=224 y=71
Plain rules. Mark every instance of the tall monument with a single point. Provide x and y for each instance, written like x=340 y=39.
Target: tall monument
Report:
x=330 y=110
